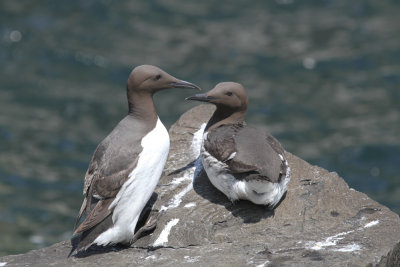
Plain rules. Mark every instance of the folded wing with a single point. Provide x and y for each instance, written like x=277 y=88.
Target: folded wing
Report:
x=249 y=152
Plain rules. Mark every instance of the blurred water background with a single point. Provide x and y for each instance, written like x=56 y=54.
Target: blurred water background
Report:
x=323 y=76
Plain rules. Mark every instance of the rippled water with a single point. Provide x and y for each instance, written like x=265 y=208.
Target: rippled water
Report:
x=322 y=76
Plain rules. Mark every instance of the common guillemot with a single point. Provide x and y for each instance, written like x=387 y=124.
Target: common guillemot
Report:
x=127 y=164
x=241 y=161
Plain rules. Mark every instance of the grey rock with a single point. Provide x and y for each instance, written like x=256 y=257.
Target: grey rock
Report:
x=321 y=221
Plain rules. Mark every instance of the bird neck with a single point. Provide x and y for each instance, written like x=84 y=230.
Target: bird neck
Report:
x=225 y=116
x=141 y=106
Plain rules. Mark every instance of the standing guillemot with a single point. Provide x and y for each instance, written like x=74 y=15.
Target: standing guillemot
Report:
x=127 y=164
x=241 y=161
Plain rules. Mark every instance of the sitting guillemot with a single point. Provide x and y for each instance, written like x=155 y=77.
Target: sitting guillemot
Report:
x=241 y=161
x=127 y=164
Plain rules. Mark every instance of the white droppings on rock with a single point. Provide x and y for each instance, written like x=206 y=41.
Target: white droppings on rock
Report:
x=328 y=242
x=163 y=238
x=349 y=248
x=187 y=176
x=370 y=224
x=190 y=205
x=178 y=180
x=190 y=172
x=332 y=240
x=263 y=264
x=197 y=140
x=151 y=257
x=177 y=199
x=192 y=259
x=3 y=264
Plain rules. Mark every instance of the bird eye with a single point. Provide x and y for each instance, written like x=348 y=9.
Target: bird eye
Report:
x=229 y=93
x=157 y=77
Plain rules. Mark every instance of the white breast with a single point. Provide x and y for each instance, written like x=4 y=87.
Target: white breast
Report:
x=137 y=190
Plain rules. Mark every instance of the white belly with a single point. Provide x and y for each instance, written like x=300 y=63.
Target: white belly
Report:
x=137 y=190
x=218 y=175
x=258 y=192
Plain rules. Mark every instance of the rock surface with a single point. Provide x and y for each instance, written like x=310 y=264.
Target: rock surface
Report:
x=321 y=221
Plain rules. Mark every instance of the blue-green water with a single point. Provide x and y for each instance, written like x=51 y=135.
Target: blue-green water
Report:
x=322 y=76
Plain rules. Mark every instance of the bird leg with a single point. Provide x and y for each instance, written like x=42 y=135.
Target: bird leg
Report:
x=149 y=225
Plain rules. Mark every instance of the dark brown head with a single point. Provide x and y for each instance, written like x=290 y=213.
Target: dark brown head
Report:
x=150 y=79
x=226 y=95
x=143 y=82
x=231 y=101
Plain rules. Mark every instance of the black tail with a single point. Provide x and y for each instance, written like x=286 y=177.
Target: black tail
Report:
x=83 y=241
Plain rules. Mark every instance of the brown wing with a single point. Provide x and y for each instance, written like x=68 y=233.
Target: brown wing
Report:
x=112 y=162
x=275 y=144
x=220 y=143
x=257 y=152
x=97 y=215
x=102 y=189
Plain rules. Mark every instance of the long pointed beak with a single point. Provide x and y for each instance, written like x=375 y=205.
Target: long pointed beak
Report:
x=200 y=97
x=184 y=84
